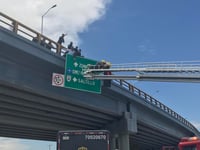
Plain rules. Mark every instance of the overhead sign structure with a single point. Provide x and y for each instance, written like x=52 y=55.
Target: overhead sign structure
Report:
x=74 y=77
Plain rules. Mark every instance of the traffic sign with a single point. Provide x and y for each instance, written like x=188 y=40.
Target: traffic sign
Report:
x=74 y=79
x=58 y=79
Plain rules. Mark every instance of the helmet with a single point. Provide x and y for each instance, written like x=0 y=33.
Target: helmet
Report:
x=103 y=61
x=108 y=63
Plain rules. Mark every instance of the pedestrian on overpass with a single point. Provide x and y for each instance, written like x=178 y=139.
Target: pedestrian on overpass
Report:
x=70 y=46
x=61 y=39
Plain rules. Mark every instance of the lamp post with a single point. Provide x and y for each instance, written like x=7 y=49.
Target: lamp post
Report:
x=44 y=15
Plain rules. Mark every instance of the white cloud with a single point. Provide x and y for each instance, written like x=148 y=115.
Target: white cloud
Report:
x=70 y=16
x=12 y=144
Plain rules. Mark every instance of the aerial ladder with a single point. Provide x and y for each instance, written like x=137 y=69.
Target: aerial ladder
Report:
x=184 y=71
x=187 y=71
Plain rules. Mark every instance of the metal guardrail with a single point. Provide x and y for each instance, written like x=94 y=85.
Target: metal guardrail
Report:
x=154 y=102
x=28 y=33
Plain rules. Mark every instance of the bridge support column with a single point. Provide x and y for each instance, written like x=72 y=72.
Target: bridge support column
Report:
x=120 y=142
x=124 y=142
x=114 y=142
x=120 y=131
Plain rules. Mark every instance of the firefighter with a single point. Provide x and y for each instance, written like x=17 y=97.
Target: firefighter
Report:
x=100 y=64
x=107 y=65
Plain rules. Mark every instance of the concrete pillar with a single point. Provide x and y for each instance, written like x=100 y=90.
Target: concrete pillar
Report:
x=124 y=142
x=120 y=142
x=120 y=131
x=114 y=145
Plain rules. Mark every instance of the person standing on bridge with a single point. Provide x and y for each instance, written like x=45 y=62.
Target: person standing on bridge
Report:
x=61 y=39
x=70 y=46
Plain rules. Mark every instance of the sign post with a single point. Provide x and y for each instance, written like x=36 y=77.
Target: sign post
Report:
x=74 y=77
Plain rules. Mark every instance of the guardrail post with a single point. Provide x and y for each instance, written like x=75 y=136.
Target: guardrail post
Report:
x=130 y=88
x=120 y=82
x=15 y=26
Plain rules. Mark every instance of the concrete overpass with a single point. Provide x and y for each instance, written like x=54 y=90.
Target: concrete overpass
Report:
x=30 y=107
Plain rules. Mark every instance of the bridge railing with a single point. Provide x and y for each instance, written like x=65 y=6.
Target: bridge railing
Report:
x=22 y=30
x=30 y=34
x=154 y=102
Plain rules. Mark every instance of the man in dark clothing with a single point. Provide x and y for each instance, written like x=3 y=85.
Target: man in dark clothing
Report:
x=70 y=46
x=77 y=52
x=61 y=39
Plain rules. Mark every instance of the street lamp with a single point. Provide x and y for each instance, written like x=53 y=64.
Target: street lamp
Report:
x=44 y=15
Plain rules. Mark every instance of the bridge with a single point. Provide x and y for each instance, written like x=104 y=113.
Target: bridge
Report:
x=32 y=108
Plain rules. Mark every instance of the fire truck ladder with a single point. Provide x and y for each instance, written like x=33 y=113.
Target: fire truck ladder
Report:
x=187 y=71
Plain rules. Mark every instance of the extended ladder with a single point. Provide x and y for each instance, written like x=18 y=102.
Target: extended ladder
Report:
x=187 y=71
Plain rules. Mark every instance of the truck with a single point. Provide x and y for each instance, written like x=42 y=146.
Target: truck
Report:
x=83 y=140
x=186 y=143
x=189 y=143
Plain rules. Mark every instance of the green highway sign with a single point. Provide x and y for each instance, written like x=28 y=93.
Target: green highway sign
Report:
x=74 y=79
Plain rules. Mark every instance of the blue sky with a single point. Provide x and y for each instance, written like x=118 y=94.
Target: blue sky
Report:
x=151 y=31
x=146 y=30
x=129 y=31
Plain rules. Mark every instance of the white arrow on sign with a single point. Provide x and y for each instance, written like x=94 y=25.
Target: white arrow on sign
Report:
x=75 y=64
x=74 y=79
